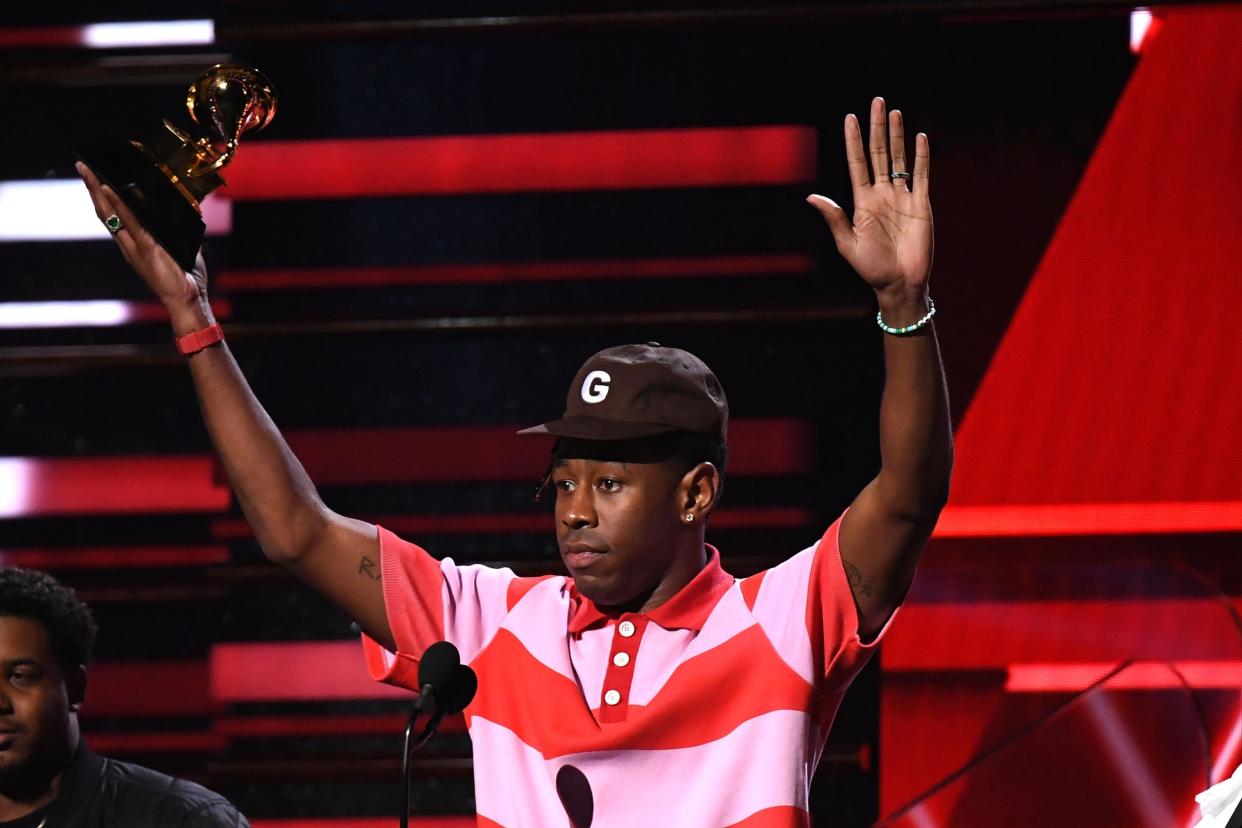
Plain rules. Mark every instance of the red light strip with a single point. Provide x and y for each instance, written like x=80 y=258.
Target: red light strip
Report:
x=1039 y=520
x=42 y=37
x=223 y=730
x=473 y=453
x=115 y=558
x=456 y=165
x=32 y=486
x=155 y=742
x=1141 y=675
x=991 y=635
x=532 y=522
x=149 y=688
x=294 y=671
x=292 y=726
x=504 y=272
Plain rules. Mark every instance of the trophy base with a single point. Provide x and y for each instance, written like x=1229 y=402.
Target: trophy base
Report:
x=164 y=209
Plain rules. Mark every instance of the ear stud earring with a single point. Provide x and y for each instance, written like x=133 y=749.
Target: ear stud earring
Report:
x=689 y=517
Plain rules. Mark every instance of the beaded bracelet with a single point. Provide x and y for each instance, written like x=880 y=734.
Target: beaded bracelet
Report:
x=908 y=329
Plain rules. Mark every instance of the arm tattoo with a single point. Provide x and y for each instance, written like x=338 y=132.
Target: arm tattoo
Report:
x=852 y=574
x=367 y=567
x=855 y=579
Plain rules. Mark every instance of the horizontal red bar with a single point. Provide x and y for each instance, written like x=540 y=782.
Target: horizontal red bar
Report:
x=221 y=308
x=1141 y=675
x=991 y=635
x=294 y=671
x=500 y=272
x=115 y=558
x=28 y=37
x=31 y=486
x=475 y=453
x=499 y=524
x=149 y=688
x=155 y=742
x=454 y=165
x=292 y=726
x=1035 y=520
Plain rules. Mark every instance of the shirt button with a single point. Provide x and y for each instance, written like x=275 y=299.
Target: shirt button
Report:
x=612 y=697
x=621 y=659
x=626 y=628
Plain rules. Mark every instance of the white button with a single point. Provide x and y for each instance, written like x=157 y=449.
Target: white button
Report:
x=626 y=628
x=621 y=659
x=612 y=697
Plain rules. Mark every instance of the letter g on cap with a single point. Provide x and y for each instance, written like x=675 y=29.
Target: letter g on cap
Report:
x=595 y=387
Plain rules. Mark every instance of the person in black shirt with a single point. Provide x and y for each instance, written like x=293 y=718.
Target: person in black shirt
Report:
x=48 y=777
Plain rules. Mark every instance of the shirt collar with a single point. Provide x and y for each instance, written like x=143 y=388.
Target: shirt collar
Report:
x=687 y=610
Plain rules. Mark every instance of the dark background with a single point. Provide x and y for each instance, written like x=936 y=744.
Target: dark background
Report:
x=1013 y=103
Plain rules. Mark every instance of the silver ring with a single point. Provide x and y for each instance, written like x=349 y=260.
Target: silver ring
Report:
x=899 y=175
x=113 y=223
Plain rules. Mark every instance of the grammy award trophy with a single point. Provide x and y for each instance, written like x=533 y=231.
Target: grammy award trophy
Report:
x=165 y=176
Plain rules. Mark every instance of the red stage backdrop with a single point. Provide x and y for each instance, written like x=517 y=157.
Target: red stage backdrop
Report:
x=1109 y=409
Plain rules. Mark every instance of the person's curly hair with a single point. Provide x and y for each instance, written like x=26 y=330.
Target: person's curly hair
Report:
x=28 y=593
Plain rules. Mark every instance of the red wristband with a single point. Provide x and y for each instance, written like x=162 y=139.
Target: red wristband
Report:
x=196 y=341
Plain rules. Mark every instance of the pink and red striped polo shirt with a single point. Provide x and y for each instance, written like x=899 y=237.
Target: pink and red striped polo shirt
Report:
x=709 y=711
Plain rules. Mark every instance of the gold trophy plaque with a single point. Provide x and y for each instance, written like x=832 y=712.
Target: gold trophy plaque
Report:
x=165 y=177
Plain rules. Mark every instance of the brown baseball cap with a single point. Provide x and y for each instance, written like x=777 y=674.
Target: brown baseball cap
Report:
x=632 y=391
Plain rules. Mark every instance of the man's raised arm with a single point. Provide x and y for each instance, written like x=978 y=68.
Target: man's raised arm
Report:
x=889 y=243
x=337 y=556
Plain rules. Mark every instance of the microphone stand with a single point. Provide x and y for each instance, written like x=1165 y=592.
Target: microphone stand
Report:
x=408 y=751
x=451 y=693
x=411 y=745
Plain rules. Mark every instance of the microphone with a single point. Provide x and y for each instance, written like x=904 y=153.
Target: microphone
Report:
x=444 y=680
x=457 y=692
x=434 y=669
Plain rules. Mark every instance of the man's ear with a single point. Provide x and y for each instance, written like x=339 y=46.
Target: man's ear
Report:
x=75 y=685
x=701 y=490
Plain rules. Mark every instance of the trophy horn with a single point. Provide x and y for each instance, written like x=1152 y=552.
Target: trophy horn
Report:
x=228 y=101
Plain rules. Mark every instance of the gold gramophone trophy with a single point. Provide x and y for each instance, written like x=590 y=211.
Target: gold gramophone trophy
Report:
x=165 y=177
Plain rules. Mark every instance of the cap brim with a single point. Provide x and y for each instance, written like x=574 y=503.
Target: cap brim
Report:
x=595 y=428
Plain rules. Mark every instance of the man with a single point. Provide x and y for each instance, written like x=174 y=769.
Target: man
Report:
x=48 y=777
x=649 y=685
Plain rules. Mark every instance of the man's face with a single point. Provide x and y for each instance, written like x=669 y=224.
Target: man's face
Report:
x=36 y=729
x=617 y=524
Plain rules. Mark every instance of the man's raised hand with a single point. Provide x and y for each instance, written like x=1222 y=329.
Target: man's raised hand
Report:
x=183 y=294
x=889 y=241
x=291 y=523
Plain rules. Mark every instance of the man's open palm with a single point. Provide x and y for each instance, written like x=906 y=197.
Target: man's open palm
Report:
x=889 y=242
